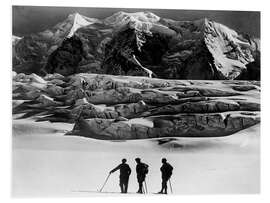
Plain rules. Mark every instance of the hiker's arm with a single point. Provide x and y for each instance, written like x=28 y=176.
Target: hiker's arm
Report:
x=115 y=169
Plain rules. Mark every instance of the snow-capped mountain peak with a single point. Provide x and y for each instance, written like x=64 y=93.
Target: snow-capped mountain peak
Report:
x=79 y=21
x=228 y=48
x=138 y=20
x=68 y=27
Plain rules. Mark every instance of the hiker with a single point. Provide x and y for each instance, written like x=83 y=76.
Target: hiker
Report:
x=166 y=173
x=125 y=172
x=142 y=170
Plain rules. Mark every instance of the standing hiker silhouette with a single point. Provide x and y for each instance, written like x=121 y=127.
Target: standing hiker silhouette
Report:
x=166 y=173
x=142 y=170
x=125 y=172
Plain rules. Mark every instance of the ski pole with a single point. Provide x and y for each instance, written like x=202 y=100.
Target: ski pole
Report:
x=170 y=185
x=105 y=182
x=145 y=185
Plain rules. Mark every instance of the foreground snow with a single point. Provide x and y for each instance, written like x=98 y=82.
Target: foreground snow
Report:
x=47 y=163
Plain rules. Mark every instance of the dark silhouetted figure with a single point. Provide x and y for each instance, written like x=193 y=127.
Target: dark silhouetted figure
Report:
x=142 y=170
x=125 y=172
x=166 y=173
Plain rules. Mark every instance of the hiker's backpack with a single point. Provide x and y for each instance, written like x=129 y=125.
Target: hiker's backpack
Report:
x=169 y=169
x=145 y=168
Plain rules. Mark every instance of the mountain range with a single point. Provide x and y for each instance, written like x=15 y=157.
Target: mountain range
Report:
x=139 y=44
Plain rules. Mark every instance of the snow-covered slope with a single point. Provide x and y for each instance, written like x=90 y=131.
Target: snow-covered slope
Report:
x=43 y=157
x=146 y=22
x=204 y=49
x=15 y=39
x=230 y=51
x=80 y=21
x=122 y=18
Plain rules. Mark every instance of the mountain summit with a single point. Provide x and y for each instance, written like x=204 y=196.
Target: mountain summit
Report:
x=68 y=27
x=136 y=20
x=141 y=43
x=80 y=21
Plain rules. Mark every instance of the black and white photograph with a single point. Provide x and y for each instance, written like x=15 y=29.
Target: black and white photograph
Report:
x=113 y=101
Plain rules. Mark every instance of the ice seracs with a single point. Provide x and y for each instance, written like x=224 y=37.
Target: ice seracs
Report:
x=210 y=108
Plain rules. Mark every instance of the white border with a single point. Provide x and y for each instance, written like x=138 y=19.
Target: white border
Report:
x=5 y=91
x=167 y=4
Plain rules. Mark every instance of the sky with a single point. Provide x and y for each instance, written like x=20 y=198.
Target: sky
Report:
x=32 y=19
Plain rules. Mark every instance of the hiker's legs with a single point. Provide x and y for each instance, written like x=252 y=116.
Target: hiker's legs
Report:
x=140 y=186
x=126 y=186
x=164 y=186
x=140 y=179
x=121 y=184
